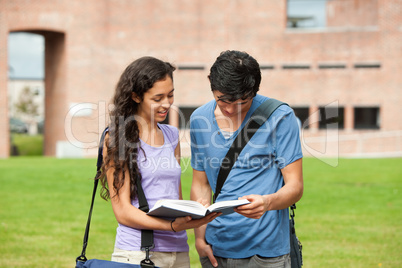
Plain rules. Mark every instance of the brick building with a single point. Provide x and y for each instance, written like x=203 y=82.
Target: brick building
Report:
x=343 y=79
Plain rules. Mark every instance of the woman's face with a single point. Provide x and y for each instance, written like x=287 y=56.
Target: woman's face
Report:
x=156 y=102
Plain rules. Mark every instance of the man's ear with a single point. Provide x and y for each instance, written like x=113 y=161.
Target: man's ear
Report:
x=135 y=97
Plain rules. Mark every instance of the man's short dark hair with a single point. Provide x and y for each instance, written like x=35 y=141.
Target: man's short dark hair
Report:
x=236 y=74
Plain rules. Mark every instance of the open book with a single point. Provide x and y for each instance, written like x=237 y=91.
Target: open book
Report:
x=179 y=208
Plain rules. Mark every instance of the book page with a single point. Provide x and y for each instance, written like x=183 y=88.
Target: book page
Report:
x=226 y=207
x=178 y=208
x=174 y=202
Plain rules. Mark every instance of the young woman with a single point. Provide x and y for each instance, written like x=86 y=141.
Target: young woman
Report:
x=138 y=147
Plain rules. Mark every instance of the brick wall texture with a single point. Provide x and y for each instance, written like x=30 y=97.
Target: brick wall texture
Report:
x=89 y=43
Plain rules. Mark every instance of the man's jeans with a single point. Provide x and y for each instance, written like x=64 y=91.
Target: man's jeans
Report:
x=252 y=262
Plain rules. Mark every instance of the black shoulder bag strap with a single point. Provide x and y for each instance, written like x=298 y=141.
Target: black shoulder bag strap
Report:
x=147 y=238
x=257 y=119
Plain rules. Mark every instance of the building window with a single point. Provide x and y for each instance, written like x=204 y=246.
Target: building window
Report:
x=331 y=66
x=302 y=113
x=306 y=13
x=367 y=65
x=266 y=67
x=331 y=117
x=331 y=14
x=191 y=67
x=367 y=118
x=295 y=66
x=184 y=116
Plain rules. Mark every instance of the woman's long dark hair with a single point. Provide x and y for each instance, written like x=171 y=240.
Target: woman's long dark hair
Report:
x=123 y=142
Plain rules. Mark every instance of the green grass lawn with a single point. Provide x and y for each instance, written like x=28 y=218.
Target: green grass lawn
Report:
x=28 y=145
x=349 y=216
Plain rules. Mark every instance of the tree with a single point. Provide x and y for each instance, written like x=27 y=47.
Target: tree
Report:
x=27 y=107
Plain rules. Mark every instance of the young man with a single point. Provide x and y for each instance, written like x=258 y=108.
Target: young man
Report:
x=268 y=171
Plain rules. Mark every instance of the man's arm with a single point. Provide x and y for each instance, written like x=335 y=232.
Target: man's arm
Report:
x=201 y=192
x=292 y=191
x=289 y=194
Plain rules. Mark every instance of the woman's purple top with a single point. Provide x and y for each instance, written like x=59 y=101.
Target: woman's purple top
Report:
x=160 y=173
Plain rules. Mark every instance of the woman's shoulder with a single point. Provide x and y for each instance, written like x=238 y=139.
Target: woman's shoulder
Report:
x=168 y=128
x=169 y=131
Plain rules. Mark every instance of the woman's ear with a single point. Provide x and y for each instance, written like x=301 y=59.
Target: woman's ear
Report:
x=135 y=97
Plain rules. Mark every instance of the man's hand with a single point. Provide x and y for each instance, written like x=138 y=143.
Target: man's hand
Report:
x=205 y=250
x=257 y=207
x=289 y=194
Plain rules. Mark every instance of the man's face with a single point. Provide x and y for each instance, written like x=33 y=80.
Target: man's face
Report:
x=232 y=109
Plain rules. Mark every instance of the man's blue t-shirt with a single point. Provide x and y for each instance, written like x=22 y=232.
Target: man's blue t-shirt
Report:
x=256 y=171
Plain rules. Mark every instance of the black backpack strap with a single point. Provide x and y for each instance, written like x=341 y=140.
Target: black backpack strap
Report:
x=257 y=119
x=147 y=236
x=82 y=257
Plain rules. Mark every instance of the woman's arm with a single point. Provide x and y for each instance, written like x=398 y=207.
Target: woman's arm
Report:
x=177 y=154
x=129 y=215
